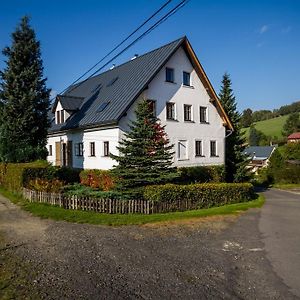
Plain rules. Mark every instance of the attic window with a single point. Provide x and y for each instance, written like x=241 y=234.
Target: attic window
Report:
x=102 y=106
x=98 y=86
x=112 y=81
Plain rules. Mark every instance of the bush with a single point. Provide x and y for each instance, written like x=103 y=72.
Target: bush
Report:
x=50 y=173
x=46 y=185
x=97 y=179
x=86 y=191
x=201 y=195
x=201 y=174
x=14 y=176
x=11 y=175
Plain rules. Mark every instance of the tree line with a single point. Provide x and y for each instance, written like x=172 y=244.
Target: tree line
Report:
x=249 y=117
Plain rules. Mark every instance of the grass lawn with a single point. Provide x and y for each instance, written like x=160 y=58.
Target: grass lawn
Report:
x=77 y=216
x=287 y=186
x=271 y=127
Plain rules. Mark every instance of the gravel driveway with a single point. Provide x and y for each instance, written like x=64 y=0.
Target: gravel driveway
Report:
x=208 y=258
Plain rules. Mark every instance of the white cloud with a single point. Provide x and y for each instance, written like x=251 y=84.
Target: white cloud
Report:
x=263 y=29
x=286 y=30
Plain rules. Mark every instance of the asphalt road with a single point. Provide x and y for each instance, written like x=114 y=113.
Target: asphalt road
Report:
x=280 y=227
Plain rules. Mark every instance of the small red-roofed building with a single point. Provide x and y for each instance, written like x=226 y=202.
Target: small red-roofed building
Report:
x=294 y=137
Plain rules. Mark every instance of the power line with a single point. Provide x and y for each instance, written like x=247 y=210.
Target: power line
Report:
x=159 y=22
x=120 y=44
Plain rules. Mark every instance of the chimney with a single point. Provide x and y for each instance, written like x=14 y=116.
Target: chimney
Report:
x=134 y=57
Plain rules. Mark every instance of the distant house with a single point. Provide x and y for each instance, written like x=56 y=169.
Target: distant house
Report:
x=90 y=118
x=294 y=137
x=259 y=156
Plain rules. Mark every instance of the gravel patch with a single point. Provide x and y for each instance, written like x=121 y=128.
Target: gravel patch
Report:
x=219 y=257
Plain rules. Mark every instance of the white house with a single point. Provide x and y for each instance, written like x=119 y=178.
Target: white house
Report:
x=90 y=118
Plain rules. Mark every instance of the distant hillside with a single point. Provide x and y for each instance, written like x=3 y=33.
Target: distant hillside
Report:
x=272 y=127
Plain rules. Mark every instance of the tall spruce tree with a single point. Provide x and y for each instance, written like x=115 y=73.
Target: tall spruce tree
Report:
x=145 y=152
x=235 y=160
x=24 y=99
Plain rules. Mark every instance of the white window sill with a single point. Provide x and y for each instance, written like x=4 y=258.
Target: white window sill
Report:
x=188 y=86
x=183 y=159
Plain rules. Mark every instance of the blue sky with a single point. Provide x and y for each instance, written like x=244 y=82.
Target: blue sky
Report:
x=256 y=42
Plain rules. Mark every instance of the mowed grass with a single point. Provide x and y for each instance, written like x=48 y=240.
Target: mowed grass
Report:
x=272 y=127
x=287 y=186
x=77 y=216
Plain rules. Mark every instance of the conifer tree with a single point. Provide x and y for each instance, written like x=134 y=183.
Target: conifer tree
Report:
x=235 y=160
x=24 y=99
x=145 y=152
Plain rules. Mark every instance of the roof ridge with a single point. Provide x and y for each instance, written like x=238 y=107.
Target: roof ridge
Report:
x=69 y=96
x=128 y=61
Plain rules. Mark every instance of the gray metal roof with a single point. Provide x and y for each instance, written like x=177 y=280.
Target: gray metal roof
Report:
x=70 y=102
x=118 y=87
x=259 y=152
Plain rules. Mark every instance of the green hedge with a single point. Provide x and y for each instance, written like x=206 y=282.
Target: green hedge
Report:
x=202 y=195
x=201 y=174
x=67 y=175
x=11 y=175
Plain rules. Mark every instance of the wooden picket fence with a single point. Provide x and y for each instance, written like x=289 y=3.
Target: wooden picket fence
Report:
x=110 y=206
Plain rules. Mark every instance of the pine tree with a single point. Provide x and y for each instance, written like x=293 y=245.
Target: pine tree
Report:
x=145 y=152
x=235 y=161
x=24 y=99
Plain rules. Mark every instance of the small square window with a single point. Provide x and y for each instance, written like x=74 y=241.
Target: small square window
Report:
x=169 y=75
x=105 y=148
x=203 y=114
x=92 y=148
x=198 y=148
x=186 y=78
x=213 y=148
x=170 y=111
x=187 y=112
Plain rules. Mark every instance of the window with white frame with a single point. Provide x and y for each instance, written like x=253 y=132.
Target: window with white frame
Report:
x=106 y=148
x=169 y=75
x=186 y=78
x=79 y=149
x=203 y=114
x=170 y=111
x=187 y=112
x=152 y=106
x=182 y=150
x=92 y=149
x=60 y=116
x=199 y=148
x=213 y=148
x=50 y=153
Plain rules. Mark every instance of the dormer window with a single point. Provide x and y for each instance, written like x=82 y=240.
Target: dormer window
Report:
x=60 y=116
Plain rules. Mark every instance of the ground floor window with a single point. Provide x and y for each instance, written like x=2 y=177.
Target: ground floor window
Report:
x=198 y=148
x=79 y=149
x=92 y=148
x=182 y=150
x=105 y=148
x=50 y=153
x=213 y=148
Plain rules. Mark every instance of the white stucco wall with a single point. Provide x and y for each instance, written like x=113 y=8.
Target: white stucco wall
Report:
x=196 y=95
x=99 y=136
x=177 y=130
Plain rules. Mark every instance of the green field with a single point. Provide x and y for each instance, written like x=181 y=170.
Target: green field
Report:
x=271 y=127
